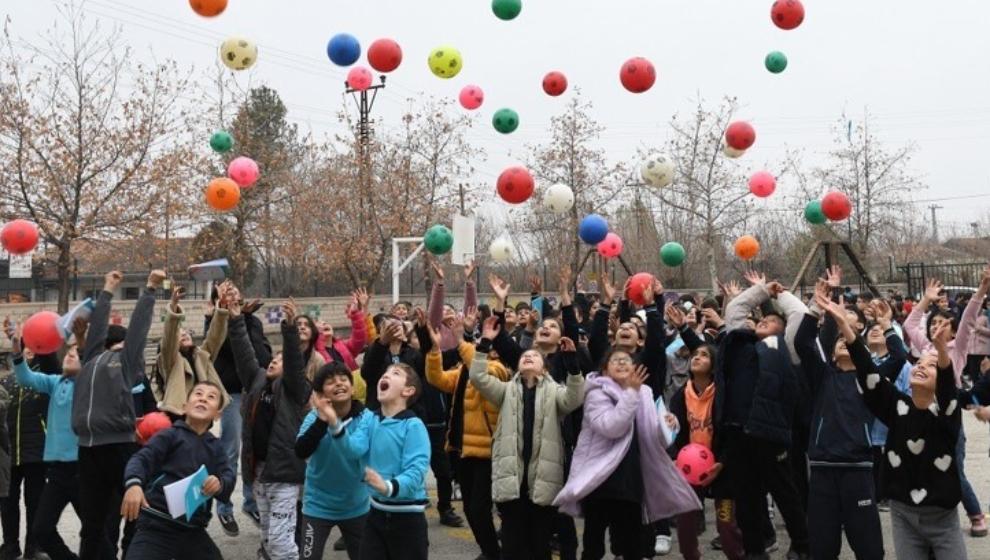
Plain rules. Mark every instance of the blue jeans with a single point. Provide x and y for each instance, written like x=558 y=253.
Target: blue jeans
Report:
x=970 y=502
x=230 y=437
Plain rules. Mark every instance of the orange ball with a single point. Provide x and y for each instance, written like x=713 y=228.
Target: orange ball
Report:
x=208 y=8
x=223 y=193
x=747 y=247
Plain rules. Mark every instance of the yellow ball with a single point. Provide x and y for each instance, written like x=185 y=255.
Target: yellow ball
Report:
x=238 y=53
x=445 y=62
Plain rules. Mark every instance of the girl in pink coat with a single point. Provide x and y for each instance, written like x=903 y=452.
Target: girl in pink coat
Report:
x=621 y=476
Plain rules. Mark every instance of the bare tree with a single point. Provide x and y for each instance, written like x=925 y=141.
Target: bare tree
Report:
x=86 y=135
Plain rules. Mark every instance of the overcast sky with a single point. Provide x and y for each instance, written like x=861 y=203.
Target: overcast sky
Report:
x=920 y=67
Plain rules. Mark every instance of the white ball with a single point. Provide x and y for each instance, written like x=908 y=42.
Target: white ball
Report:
x=731 y=152
x=238 y=53
x=658 y=170
x=501 y=250
x=559 y=198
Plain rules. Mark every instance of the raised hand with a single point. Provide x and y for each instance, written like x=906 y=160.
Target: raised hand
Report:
x=638 y=377
x=420 y=314
x=234 y=307
x=178 y=292
x=499 y=286
x=437 y=271
x=730 y=289
x=608 y=290
x=932 y=290
x=567 y=345
x=324 y=409
x=362 y=297
x=775 y=288
x=111 y=280
x=564 y=279
x=391 y=333
x=470 y=319
x=882 y=313
x=155 y=279
x=833 y=276
x=290 y=311
x=535 y=284
x=490 y=328
x=469 y=269
x=79 y=326
x=755 y=278
x=984 y=281
x=674 y=315
x=712 y=317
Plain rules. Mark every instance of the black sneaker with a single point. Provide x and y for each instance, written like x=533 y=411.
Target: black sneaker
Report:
x=33 y=553
x=717 y=543
x=255 y=518
x=340 y=544
x=451 y=519
x=10 y=552
x=229 y=524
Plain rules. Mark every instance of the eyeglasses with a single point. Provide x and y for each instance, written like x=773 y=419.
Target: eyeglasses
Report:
x=620 y=361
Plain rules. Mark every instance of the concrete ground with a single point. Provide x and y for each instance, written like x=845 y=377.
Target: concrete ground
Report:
x=451 y=544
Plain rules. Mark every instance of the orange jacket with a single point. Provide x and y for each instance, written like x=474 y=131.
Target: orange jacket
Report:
x=480 y=416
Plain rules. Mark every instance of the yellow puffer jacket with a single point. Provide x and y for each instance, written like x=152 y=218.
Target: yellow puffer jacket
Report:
x=480 y=416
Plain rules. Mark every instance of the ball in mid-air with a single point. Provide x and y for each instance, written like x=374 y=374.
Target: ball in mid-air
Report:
x=238 y=53
x=445 y=62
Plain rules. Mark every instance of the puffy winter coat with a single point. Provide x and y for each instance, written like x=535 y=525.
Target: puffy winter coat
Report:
x=546 y=466
x=347 y=349
x=180 y=375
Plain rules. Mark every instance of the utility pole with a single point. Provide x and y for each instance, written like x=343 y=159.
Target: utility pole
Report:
x=934 y=208
x=976 y=229
x=365 y=103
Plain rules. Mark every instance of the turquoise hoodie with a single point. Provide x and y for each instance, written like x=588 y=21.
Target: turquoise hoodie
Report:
x=335 y=488
x=398 y=448
x=61 y=443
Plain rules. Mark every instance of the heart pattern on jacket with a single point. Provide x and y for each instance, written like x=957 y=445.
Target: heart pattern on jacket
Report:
x=894 y=458
x=917 y=496
x=916 y=446
x=942 y=463
x=872 y=380
x=902 y=408
x=951 y=408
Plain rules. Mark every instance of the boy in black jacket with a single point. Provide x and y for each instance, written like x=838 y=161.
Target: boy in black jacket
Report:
x=103 y=409
x=841 y=491
x=171 y=455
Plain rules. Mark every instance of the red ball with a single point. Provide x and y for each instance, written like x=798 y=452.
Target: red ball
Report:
x=787 y=14
x=555 y=83
x=384 y=55
x=41 y=333
x=152 y=423
x=695 y=461
x=762 y=184
x=836 y=206
x=740 y=135
x=637 y=284
x=638 y=75
x=515 y=185
x=19 y=237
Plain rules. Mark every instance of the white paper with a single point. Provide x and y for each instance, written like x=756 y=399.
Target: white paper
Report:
x=20 y=266
x=463 y=249
x=175 y=496
x=668 y=434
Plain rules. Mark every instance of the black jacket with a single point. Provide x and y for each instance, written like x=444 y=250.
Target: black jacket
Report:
x=26 y=417
x=292 y=392
x=431 y=407
x=173 y=454
x=841 y=421
x=224 y=361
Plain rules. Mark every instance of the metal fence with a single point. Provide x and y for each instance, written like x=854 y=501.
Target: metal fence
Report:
x=917 y=275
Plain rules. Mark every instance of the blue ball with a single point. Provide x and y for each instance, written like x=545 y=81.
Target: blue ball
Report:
x=593 y=229
x=344 y=49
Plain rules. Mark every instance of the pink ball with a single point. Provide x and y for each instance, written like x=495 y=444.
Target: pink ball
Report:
x=152 y=423
x=359 y=78
x=244 y=171
x=611 y=246
x=472 y=97
x=762 y=184
x=694 y=461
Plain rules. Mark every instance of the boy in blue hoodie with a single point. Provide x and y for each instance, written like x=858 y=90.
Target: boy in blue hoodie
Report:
x=334 y=494
x=61 y=444
x=170 y=456
x=396 y=449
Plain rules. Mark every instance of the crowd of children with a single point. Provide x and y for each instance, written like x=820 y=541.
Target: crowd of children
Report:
x=838 y=407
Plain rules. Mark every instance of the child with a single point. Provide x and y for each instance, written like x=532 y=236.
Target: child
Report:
x=527 y=449
x=920 y=478
x=276 y=400
x=334 y=494
x=61 y=445
x=621 y=474
x=103 y=408
x=183 y=363
x=171 y=455
x=841 y=494
x=396 y=449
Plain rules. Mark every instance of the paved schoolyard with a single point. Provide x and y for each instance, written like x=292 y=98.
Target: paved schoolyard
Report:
x=451 y=544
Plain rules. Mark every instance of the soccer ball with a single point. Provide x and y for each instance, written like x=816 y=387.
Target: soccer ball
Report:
x=445 y=62
x=731 y=152
x=559 y=198
x=501 y=250
x=658 y=170
x=238 y=53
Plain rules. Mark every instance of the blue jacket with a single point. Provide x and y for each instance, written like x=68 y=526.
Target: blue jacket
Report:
x=61 y=443
x=840 y=425
x=335 y=488
x=398 y=448
x=173 y=454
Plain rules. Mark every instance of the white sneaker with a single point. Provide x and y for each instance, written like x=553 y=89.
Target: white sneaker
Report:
x=662 y=545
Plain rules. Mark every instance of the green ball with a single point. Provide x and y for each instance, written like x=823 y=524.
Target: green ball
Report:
x=221 y=141
x=505 y=121
x=813 y=212
x=672 y=254
x=439 y=239
x=506 y=9
x=776 y=62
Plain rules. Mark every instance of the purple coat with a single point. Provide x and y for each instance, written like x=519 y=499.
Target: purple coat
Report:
x=609 y=413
